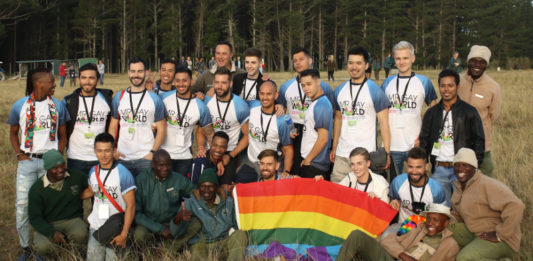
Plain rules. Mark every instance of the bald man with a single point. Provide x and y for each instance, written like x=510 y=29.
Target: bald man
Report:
x=159 y=194
x=40 y=120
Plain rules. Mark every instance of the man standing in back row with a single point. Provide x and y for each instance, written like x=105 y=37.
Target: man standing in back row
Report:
x=407 y=92
x=482 y=92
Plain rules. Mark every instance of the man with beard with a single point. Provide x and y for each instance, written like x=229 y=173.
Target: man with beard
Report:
x=90 y=112
x=134 y=111
x=184 y=112
x=215 y=208
x=266 y=131
x=430 y=241
x=411 y=192
x=223 y=56
x=269 y=165
x=293 y=100
x=359 y=103
x=488 y=211
x=217 y=148
x=166 y=76
x=482 y=92
x=448 y=126
x=229 y=114
x=157 y=200
x=40 y=121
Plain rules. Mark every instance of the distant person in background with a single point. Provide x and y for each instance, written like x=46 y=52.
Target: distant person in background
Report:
x=101 y=71
x=189 y=63
x=330 y=63
x=212 y=62
x=387 y=64
x=456 y=63
x=368 y=72
x=377 y=66
x=482 y=92
x=62 y=73
x=239 y=63
x=201 y=66
x=72 y=75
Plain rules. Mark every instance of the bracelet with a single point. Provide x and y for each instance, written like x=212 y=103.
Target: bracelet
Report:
x=498 y=237
x=20 y=153
x=286 y=171
x=152 y=151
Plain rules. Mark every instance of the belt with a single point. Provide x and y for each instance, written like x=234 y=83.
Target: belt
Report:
x=34 y=155
x=447 y=164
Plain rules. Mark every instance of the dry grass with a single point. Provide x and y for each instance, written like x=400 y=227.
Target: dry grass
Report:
x=511 y=151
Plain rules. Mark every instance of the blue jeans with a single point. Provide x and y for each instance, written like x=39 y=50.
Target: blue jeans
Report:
x=137 y=166
x=446 y=177
x=102 y=79
x=398 y=158
x=27 y=173
x=62 y=82
x=97 y=252
x=81 y=165
x=181 y=166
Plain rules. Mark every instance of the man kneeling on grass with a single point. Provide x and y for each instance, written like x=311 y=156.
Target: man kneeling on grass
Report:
x=54 y=206
x=212 y=206
x=431 y=241
x=157 y=200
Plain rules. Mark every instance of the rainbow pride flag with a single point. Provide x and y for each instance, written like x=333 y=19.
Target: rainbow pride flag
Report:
x=303 y=213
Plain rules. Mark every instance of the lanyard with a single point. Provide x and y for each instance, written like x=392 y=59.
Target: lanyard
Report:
x=223 y=117
x=244 y=95
x=97 y=173
x=89 y=115
x=265 y=133
x=423 y=189
x=402 y=99
x=354 y=102
x=443 y=121
x=182 y=116
x=138 y=105
x=367 y=183
x=302 y=98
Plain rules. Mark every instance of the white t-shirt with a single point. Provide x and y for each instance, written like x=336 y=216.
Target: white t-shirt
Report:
x=119 y=182
x=446 y=151
x=237 y=114
x=358 y=127
x=405 y=121
x=136 y=138
x=250 y=87
x=178 y=140
x=81 y=143
x=276 y=129
x=42 y=124
x=399 y=190
x=291 y=96
x=318 y=115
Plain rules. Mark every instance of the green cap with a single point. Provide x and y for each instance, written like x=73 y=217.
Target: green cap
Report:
x=208 y=175
x=52 y=158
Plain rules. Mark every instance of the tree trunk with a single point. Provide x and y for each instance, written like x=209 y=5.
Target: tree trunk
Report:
x=280 y=40
x=454 y=25
x=156 y=42
x=254 y=22
x=180 y=32
x=320 y=39
x=199 y=30
x=439 y=48
x=289 y=41
x=335 y=30
x=123 y=46
x=383 y=36
x=345 y=41
x=230 y=31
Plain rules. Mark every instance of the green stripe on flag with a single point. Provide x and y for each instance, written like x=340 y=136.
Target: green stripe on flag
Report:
x=292 y=236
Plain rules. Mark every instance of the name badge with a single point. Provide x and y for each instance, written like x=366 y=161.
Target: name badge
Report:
x=479 y=96
x=180 y=137
x=89 y=135
x=103 y=211
x=131 y=133
x=170 y=189
x=301 y=115
x=436 y=149
x=400 y=123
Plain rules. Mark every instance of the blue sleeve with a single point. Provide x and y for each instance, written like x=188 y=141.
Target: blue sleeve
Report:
x=386 y=83
x=282 y=89
x=62 y=114
x=241 y=109
x=283 y=132
x=395 y=186
x=254 y=103
x=164 y=95
x=429 y=89
x=439 y=196
x=379 y=98
x=336 y=96
x=127 y=182
x=14 y=114
x=328 y=92
x=160 y=111
x=205 y=116
x=207 y=98
x=323 y=115
x=115 y=103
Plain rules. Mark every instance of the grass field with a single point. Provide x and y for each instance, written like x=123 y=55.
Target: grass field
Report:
x=512 y=147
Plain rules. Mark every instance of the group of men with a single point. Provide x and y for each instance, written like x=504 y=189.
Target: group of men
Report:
x=132 y=154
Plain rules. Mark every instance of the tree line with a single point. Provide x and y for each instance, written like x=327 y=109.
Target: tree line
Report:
x=116 y=30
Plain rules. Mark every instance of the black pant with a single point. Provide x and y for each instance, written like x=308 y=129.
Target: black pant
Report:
x=229 y=171
x=387 y=70
x=330 y=75
x=308 y=171
x=297 y=143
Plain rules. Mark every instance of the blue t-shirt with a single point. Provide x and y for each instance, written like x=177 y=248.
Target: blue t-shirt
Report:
x=318 y=115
